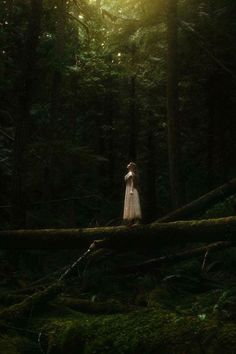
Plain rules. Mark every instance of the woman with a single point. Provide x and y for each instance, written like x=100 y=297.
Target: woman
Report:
x=132 y=210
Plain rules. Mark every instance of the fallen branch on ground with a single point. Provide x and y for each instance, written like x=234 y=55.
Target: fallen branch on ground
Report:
x=152 y=264
x=24 y=308
x=32 y=303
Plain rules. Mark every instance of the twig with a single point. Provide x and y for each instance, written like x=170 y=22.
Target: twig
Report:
x=2 y=131
x=80 y=22
x=205 y=259
x=24 y=308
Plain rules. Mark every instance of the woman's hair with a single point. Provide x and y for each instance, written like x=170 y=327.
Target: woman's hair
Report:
x=136 y=173
x=133 y=166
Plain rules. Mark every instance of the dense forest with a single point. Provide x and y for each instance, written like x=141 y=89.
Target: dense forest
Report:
x=86 y=86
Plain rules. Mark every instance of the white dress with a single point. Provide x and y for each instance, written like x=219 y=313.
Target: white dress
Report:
x=132 y=209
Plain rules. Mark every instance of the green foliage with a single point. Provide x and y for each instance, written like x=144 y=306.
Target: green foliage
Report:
x=14 y=344
x=157 y=319
x=149 y=331
x=82 y=105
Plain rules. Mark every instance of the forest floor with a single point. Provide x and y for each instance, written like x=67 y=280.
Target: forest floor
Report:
x=177 y=308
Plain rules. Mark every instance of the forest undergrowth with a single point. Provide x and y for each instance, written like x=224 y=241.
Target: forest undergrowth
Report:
x=176 y=308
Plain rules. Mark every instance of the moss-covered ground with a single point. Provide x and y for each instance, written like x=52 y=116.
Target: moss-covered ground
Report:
x=176 y=309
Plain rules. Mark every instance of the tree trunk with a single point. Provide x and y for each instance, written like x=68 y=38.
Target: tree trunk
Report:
x=173 y=105
x=109 y=116
x=151 y=209
x=218 y=107
x=122 y=238
x=22 y=131
x=133 y=121
x=9 y=10
x=202 y=203
x=56 y=101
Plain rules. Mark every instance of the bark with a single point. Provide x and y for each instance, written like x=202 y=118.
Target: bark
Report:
x=133 y=119
x=173 y=105
x=56 y=108
x=202 y=203
x=152 y=264
x=210 y=134
x=151 y=208
x=109 y=121
x=218 y=103
x=23 y=123
x=111 y=150
x=9 y=5
x=153 y=235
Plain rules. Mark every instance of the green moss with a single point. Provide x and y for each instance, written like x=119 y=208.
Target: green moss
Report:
x=220 y=209
x=146 y=331
x=165 y=322
x=12 y=344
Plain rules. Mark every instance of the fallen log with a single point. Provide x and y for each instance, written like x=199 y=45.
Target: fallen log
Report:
x=123 y=237
x=23 y=309
x=153 y=264
x=202 y=203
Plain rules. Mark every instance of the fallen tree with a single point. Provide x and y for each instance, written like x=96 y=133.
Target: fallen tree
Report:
x=34 y=302
x=202 y=203
x=154 y=263
x=23 y=309
x=123 y=237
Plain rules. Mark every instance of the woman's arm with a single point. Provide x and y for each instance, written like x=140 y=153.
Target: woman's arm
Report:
x=131 y=185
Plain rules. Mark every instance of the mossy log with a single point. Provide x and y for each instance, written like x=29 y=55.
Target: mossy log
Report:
x=154 y=263
x=31 y=304
x=202 y=203
x=123 y=237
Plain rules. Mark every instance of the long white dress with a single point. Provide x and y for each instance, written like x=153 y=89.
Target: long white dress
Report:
x=132 y=209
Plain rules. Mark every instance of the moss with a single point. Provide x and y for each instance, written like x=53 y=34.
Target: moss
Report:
x=148 y=331
x=12 y=344
x=63 y=338
x=177 y=322
x=224 y=208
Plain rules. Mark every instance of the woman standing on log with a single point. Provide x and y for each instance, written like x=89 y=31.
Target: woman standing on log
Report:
x=132 y=210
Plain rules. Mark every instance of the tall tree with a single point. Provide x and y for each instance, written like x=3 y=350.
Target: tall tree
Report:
x=23 y=123
x=56 y=98
x=133 y=120
x=151 y=169
x=173 y=104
